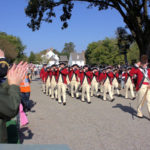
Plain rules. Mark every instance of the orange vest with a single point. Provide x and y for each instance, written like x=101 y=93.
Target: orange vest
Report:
x=25 y=86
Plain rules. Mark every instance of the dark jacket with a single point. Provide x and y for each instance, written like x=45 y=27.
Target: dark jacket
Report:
x=9 y=106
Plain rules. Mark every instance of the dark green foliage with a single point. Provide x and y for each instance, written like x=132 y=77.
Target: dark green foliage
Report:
x=107 y=52
x=12 y=46
x=32 y=58
x=68 y=48
x=124 y=42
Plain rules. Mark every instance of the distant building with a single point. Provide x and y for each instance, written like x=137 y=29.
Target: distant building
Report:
x=77 y=58
x=52 y=61
x=50 y=57
x=63 y=59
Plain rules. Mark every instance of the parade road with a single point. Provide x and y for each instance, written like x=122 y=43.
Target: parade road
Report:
x=101 y=125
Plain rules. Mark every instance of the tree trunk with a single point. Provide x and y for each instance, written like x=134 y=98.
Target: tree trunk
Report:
x=144 y=46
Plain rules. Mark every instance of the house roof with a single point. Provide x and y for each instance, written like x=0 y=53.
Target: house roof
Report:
x=52 y=59
x=77 y=56
x=63 y=58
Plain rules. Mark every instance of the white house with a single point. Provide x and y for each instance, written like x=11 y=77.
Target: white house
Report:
x=77 y=58
x=51 y=57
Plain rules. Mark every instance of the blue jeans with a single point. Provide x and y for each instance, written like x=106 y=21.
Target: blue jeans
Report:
x=25 y=100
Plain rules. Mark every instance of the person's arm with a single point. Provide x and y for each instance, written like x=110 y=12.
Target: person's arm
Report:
x=10 y=98
x=9 y=102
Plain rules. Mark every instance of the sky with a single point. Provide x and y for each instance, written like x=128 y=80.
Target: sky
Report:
x=85 y=26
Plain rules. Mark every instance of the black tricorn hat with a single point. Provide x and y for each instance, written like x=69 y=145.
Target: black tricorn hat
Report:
x=54 y=65
x=94 y=68
x=62 y=64
x=75 y=65
x=86 y=66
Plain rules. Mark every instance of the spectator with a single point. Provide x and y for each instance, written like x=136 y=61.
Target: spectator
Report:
x=9 y=93
x=25 y=92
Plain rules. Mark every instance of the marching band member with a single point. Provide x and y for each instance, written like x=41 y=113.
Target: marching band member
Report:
x=128 y=83
x=62 y=72
x=143 y=84
x=105 y=79
x=74 y=76
x=42 y=76
x=115 y=84
x=85 y=80
x=53 y=82
x=48 y=75
x=94 y=81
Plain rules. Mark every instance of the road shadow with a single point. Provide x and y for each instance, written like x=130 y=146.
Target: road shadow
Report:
x=130 y=110
x=25 y=134
x=31 y=105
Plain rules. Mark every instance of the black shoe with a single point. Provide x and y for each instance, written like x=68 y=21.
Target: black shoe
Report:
x=64 y=103
x=89 y=102
x=112 y=100
x=119 y=95
x=133 y=98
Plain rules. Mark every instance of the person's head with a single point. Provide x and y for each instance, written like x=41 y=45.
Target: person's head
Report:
x=4 y=66
x=44 y=66
x=144 y=61
x=75 y=66
x=62 y=65
x=86 y=67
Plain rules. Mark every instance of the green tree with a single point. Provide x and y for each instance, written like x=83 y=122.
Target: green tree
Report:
x=32 y=58
x=103 y=52
x=124 y=42
x=15 y=42
x=68 y=48
x=92 y=46
x=9 y=49
x=133 y=53
x=135 y=14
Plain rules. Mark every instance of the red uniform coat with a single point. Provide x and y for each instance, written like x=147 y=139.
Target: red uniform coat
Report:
x=77 y=74
x=54 y=73
x=140 y=76
x=48 y=73
x=116 y=75
x=43 y=74
x=87 y=74
x=95 y=74
x=64 y=72
x=104 y=76
x=127 y=75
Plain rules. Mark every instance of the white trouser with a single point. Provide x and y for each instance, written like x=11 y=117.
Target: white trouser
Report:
x=140 y=97
x=61 y=92
x=86 y=89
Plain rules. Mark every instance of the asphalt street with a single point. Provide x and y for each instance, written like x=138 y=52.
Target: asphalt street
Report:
x=101 y=125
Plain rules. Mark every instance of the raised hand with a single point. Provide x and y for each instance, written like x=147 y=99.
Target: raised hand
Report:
x=17 y=73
